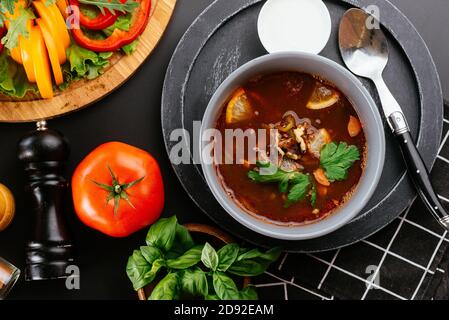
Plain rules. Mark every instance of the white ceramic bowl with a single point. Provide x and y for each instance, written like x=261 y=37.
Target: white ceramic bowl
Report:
x=365 y=108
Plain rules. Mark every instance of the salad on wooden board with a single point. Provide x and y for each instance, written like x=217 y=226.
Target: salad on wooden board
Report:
x=46 y=45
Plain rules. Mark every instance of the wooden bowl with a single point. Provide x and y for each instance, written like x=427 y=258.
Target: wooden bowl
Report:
x=204 y=231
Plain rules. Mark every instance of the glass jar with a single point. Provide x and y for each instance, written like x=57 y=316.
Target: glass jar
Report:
x=8 y=277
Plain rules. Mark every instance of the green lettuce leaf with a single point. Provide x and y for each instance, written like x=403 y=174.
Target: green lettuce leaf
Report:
x=13 y=80
x=123 y=23
x=130 y=48
x=85 y=63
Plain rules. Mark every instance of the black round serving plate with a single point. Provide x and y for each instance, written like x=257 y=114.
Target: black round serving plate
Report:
x=225 y=36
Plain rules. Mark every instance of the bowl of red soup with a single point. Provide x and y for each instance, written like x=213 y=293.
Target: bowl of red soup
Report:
x=292 y=145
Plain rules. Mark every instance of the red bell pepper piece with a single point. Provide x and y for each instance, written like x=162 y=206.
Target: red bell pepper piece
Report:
x=118 y=38
x=2 y=33
x=100 y=22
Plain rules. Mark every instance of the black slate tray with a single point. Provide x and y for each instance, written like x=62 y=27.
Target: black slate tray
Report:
x=224 y=37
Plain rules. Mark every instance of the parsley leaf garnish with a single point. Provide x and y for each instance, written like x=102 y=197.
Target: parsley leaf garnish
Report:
x=9 y=5
x=112 y=5
x=337 y=159
x=298 y=191
x=18 y=27
x=6 y=7
x=297 y=184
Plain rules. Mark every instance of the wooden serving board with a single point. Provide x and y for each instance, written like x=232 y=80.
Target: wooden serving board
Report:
x=85 y=92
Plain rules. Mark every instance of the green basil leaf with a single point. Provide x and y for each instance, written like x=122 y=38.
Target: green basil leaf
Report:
x=249 y=254
x=188 y=259
x=184 y=237
x=209 y=257
x=136 y=269
x=224 y=286
x=162 y=234
x=173 y=254
x=249 y=293
x=155 y=267
x=271 y=255
x=212 y=297
x=248 y=268
x=227 y=255
x=183 y=240
x=150 y=253
x=167 y=289
x=194 y=282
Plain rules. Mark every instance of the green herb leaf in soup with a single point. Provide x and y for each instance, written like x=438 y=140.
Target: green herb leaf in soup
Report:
x=301 y=185
x=337 y=159
x=296 y=183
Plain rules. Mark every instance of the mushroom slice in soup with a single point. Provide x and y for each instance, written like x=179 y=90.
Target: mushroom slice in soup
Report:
x=317 y=141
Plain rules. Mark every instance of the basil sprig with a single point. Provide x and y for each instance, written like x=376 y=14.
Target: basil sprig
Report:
x=194 y=270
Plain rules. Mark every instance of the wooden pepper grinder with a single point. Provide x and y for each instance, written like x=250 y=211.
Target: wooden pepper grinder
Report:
x=43 y=153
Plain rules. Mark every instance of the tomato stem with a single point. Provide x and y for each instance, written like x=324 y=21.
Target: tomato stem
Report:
x=117 y=191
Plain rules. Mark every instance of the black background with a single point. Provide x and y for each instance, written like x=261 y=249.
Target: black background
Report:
x=132 y=115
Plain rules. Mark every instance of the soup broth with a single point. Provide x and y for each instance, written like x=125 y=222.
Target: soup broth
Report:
x=320 y=142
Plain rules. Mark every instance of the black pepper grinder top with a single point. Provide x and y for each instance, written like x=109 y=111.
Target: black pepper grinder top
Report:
x=49 y=252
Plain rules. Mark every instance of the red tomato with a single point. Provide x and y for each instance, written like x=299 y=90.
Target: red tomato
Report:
x=118 y=189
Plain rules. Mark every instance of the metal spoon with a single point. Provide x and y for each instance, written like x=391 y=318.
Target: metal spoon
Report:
x=364 y=50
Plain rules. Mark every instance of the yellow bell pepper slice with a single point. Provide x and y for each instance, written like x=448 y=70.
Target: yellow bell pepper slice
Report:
x=52 y=51
x=41 y=63
x=60 y=21
x=27 y=59
x=26 y=46
x=47 y=16
x=16 y=55
x=62 y=6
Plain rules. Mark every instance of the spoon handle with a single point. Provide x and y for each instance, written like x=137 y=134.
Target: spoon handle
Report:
x=420 y=177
